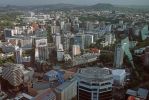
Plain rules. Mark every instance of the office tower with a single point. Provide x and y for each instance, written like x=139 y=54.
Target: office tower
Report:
x=88 y=40
x=65 y=39
x=118 y=56
x=18 y=55
x=60 y=53
x=8 y=33
x=94 y=83
x=67 y=27
x=57 y=40
x=89 y=26
x=42 y=53
x=55 y=29
x=79 y=39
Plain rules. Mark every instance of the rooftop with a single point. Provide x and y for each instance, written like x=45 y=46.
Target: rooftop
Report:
x=95 y=73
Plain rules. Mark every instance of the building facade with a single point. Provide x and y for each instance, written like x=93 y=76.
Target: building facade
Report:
x=94 y=83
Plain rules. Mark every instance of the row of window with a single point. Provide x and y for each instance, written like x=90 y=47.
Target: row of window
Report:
x=101 y=90
x=95 y=84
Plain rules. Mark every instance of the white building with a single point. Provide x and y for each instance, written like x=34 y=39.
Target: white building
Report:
x=67 y=90
x=89 y=39
x=42 y=53
x=58 y=40
x=60 y=53
x=79 y=39
x=119 y=76
x=118 y=56
x=94 y=83
x=55 y=29
x=18 y=55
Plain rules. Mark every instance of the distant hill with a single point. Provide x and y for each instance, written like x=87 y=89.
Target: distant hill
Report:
x=102 y=6
x=62 y=6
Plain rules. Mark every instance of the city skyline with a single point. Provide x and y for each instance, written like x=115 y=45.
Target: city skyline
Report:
x=77 y=2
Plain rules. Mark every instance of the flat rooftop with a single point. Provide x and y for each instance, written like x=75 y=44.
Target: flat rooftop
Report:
x=95 y=73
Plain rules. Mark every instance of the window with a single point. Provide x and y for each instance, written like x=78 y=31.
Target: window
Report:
x=85 y=83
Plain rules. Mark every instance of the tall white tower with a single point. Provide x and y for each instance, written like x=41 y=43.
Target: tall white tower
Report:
x=118 y=56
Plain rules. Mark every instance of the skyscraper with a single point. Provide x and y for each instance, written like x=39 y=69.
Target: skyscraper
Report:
x=118 y=56
x=79 y=39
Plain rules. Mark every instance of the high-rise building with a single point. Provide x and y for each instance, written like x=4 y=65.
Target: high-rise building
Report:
x=94 y=83
x=118 y=56
x=65 y=39
x=76 y=50
x=60 y=53
x=41 y=49
x=42 y=53
x=146 y=57
x=25 y=42
x=67 y=27
x=8 y=33
x=57 y=40
x=79 y=39
x=18 y=55
x=88 y=40
x=55 y=29
x=89 y=26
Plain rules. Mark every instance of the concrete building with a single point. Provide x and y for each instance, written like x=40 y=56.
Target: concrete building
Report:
x=42 y=53
x=76 y=50
x=41 y=49
x=67 y=27
x=16 y=74
x=109 y=37
x=89 y=26
x=119 y=76
x=57 y=40
x=146 y=57
x=25 y=42
x=85 y=59
x=140 y=94
x=55 y=29
x=47 y=94
x=65 y=40
x=18 y=55
x=60 y=53
x=67 y=90
x=88 y=40
x=7 y=47
x=118 y=56
x=79 y=39
x=94 y=83
x=8 y=33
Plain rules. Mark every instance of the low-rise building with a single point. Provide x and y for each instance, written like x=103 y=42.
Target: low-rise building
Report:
x=67 y=90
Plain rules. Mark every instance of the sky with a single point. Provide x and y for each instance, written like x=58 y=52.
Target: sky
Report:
x=80 y=2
